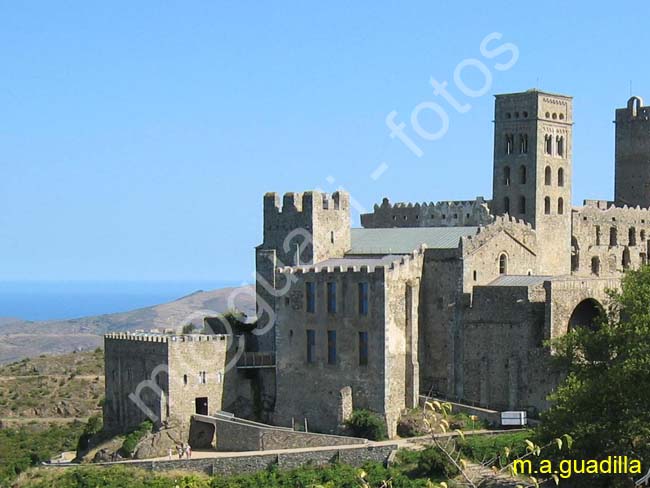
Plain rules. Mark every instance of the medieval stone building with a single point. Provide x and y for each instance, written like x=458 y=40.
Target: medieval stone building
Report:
x=455 y=298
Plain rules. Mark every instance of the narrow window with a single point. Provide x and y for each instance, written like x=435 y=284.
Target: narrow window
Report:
x=560 y=145
x=548 y=144
x=310 y=292
x=547 y=175
x=506 y=175
x=642 y=235
x=595 y=265
x=560 y=206
x=626 y=258
x=503 y=264
x=363 y=349
x=332 y=237
x=644 y=259
x=311 y=345
x=522 y=174
x=474 y=275
x=331 y=297
x=632 y=236
x=185 y=379
x=522 y=205
x=598 y=235
x=363 y=298
x=331 y=347
x=506 y=205
x=523 y=143
x=510 y=142
x=613 y=238
x=547 y=205
x=560 y=177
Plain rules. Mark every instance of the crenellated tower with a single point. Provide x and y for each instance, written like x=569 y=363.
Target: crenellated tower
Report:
x=632 y=167
x=532 y=170
x=305 y=228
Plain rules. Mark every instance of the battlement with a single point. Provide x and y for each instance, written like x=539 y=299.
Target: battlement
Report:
x=128 y=336
x=380 y=265
x=598 y=209
x=309 y=201
x=432 y=214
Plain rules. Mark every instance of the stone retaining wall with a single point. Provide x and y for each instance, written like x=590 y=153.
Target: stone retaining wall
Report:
x=233 y=465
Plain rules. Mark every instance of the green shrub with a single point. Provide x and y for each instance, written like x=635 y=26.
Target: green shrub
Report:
x=482 y=447
x=94 y=426
x=132 y=439
x=433 y=462
x=367 y=424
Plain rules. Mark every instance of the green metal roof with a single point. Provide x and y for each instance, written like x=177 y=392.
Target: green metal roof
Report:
x=403 y=240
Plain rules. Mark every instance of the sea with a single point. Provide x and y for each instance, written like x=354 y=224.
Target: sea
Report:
x=56 y=300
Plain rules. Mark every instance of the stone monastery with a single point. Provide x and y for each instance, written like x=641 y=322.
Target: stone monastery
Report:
x=454 y=299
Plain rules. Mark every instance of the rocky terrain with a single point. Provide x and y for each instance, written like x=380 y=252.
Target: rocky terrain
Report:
x=52 y=388
x=23 y=339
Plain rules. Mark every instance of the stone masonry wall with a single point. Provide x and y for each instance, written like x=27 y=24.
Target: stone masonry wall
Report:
x=440 y=214
x=312 y=391
x=247 y=464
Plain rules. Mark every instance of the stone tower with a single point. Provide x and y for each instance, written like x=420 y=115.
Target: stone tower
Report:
x=632 y=168
x=307 y=228
x=532 y=170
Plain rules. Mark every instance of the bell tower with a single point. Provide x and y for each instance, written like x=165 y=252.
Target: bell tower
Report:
x=532 y=170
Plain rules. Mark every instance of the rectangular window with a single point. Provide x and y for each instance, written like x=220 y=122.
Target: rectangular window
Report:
x=311 y=345
x=311 y=296
x=331 y=297
x=363 y=348
x=331 y=347
x=363 y=298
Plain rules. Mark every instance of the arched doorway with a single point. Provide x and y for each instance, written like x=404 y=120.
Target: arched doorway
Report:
x=585 y=314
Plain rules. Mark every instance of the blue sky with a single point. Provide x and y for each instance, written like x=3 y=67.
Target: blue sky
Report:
x=137 y=138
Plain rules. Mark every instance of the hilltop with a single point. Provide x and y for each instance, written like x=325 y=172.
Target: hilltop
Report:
x=21 y=339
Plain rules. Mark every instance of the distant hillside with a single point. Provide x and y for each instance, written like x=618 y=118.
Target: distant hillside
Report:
x=52 y=388
x=20 y=339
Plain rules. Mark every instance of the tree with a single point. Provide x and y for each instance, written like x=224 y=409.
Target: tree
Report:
x=604 y=401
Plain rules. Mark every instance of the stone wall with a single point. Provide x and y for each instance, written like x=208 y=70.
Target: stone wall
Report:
x=129 y=361
x=440 y=214
x=247 y=464
x=241 y=435
x=312 y=390
x=168 y=373
x=502 y=351
x=607 y=240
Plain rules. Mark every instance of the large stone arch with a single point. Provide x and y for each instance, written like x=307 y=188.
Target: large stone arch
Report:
x=573 y=301
x=585 y=314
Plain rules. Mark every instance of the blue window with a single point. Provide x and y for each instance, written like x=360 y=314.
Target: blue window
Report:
x=311 y=345
x=363 y=298
x=331 y=297
x=331 y=347
x=363 y=348
x=311 y=296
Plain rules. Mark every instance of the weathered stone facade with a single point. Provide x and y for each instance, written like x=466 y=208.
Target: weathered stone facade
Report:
x=455 y=299
x=173 y=376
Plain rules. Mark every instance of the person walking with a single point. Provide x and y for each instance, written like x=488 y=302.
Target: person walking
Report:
x=169 y=453
x=181 y=450
x=188 y=452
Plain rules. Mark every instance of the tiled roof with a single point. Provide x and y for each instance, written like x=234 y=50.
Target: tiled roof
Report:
x=519 y=280
x=404 y=240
